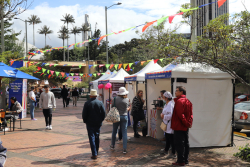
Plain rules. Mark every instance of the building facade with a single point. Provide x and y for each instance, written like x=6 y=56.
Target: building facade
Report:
x=209 y=12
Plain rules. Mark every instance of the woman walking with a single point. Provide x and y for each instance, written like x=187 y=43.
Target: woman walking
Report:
x=121 y=103
x=137 y=111
x=166 y=116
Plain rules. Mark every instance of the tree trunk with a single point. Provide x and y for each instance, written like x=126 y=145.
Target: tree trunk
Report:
x=63 y=50
x=45 y=40
x=68 y=40
x=33 y=34
x=75 y=40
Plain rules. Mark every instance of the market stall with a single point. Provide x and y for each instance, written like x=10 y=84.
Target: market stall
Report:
x=211 y=92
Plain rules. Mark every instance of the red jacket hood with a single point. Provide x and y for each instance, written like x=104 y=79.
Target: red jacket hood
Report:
x=177 y=98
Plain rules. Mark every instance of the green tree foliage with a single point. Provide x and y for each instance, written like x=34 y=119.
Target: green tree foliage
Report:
x=45 y=30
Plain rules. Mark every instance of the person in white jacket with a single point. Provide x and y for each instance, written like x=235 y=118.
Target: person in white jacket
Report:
x=166 y=116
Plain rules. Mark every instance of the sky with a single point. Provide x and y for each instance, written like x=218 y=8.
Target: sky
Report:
x=130 y=13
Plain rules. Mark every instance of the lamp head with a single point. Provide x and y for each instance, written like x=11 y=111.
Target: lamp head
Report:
x=119 y=3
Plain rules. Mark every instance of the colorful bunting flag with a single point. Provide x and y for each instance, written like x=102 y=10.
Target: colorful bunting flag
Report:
x=116 y=66
x=39 y=68
x=72 y=74
x=111 y=66
x=98 y=74
x=101 y=65
x=155 y=61
x=120 y=65
x=107 y=65
x=43 y=70
x=81 y=74
x=159 y=21
x=147 y=25
x=221 y=2
x=48 y=71
x=172 y=17
x=57 y=73
x=94 y=75
x=142 y=62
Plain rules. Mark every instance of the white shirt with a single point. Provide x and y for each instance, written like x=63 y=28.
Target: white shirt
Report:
x=168 y=111
x=32 y=94
x=47 y=100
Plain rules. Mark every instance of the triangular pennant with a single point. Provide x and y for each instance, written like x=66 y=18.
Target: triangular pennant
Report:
x=39 y=68
x=101 y=38
x=111 y=66
x=149 y=60
x=130 y=64
x=142 y=62
x=77 y=74
x=94 y=75
x=51 y=65
x=43 y=70
x=90 y=75
x=155 y=61
x=124 y=66
x=55 y=65
x=46 y=64
x=80 y=66
x=48 y=71
x=120 y=65
x=159 y=21
x=52 y=72
x=101 y=65
x=221 y=2
x=128 y=68
x=98 y=74
x=147 y=25
x=172 y=17
x=41 y=74
x=161 y=60
x=49 y=76
x=62 y=73
x=57 y=73
x=137 y=62
x=90 y=66
x=102 y=73
x=72 y=74
x=116 y=65
x=107 y=66
x=95 y=65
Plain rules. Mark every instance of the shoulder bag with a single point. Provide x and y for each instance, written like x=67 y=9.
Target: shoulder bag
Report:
x=164 y=126
x=113 y=115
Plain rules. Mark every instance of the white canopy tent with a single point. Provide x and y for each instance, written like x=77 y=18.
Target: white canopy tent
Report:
x=136 y=81
x=211 y=92
x=94 y=84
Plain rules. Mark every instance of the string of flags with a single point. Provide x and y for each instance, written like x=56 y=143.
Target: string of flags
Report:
x=145 y=26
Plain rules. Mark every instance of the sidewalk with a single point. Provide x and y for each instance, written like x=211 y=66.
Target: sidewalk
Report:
x=66 y=145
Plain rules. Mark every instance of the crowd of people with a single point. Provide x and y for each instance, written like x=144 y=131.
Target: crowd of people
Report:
x=176 y=114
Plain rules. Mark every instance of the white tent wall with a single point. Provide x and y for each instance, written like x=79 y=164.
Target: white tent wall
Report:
x=153 y=92
x=212 y=111
x=141 y=86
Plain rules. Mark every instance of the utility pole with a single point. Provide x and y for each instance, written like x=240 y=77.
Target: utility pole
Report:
x=194 y=24
x=2 y=27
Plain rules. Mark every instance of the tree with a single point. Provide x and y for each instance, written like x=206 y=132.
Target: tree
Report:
x=75 y=31
x=45 y=30
x=34 y=19
x=68 y=18
x=63 y=35
x=84 y=28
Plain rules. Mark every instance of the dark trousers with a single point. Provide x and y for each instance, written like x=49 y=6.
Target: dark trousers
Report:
x=135 y=125
x=120 y=133
x=94 y=133
x=64 y=101
x=181 y=145
x=169 y=142
x=67 y=101
x=48 y=116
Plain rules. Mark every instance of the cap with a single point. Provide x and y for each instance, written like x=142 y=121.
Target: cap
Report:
x=167 y=95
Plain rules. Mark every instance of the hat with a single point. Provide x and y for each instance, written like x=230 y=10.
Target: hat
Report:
x=46 y=86
x=93 y=92
x=167 y=95
x=122 y=91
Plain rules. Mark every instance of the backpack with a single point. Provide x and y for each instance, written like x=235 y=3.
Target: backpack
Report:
x=189 y=112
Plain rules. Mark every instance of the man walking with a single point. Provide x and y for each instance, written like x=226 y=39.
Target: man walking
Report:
x=75 y=95
x=47 y=102
x=182 y=120
x=32 y=101
x=93 y=114
x=64 y=94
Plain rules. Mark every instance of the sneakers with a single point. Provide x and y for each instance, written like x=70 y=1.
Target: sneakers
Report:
x=34 y=119
x=112 y=147
x=124 y=151
x=50 y=127
x=171 y=156
x=178 y=164
x=6 y=129
x=47 y=127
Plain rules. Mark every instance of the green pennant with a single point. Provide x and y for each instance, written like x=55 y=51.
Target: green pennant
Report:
x=39 y=63
x=43 y=70
x=102 y=73
x=55 y=65
x=80 y=66
x=95 y=65
x=47 y=64
x=107 y=66
x=116 y=66
x=57 y=73
x=81 y=74
x=161 y=60
x=94 y=75
x=130 y=64
x=159 y=21
x=72 y=74
x=69 y=64
x=48 y=71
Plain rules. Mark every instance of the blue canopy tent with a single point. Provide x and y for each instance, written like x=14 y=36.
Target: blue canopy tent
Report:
x=9 y=72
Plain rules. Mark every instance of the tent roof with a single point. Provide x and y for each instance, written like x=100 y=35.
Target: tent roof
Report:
x=140 y=76
x=10 y=72
x=188 y=70
x=105 y=80
x=118 y=78
x=107 y=73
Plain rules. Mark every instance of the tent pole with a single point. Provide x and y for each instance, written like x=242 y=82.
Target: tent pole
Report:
x=232 y=135
x=109 y=99
x=136 y=86
x=172 y=86
x=146 y=104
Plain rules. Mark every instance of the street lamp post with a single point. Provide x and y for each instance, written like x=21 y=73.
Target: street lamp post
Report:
x=106 y=18
x=26 y=36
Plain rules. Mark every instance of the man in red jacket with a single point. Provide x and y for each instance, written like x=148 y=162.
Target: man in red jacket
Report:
x=182 y=119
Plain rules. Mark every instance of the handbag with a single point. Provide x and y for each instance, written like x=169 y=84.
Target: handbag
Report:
x=164 y=126
x=113 y=115
x=140 y=116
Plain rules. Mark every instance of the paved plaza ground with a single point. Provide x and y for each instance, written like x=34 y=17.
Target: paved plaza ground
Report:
x=67 y=145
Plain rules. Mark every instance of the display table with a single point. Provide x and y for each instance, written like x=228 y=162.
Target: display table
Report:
x=155 y=122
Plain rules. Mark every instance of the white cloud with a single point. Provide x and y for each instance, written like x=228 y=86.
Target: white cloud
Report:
x=130 y=13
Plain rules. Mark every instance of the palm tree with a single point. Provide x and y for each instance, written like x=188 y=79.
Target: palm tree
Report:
x=84 y=28
x=68 y=18
x=45 y=30
x=63 y=35
x=34 y=19
x=75 y=31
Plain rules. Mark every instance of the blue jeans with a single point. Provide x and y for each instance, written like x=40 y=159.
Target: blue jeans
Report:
x=123 y=125
x=32 y=108
x=94 y=133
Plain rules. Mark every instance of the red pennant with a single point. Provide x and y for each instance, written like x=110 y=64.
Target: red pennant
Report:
x=49 y=76
x=147 y=25
x=101 y=65
x=62 y=73
x=101 y=38
x=11 y=63
x=170 y=18
x=221 y=2
x=155 y=61
x=67 y=78
x=128 y=68
x=39 y=68
x=41 y=74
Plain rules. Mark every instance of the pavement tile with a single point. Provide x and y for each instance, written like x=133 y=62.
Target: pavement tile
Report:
x=21 y=162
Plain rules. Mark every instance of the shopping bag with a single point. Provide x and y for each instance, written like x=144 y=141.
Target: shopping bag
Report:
x=113 y=115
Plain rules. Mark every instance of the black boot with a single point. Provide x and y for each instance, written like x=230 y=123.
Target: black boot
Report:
x=136 y=135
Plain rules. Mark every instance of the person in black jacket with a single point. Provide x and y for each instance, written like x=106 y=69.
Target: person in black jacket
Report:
x=75 y=95
x=93 y=115
x=3 y=155
x=64 y=94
